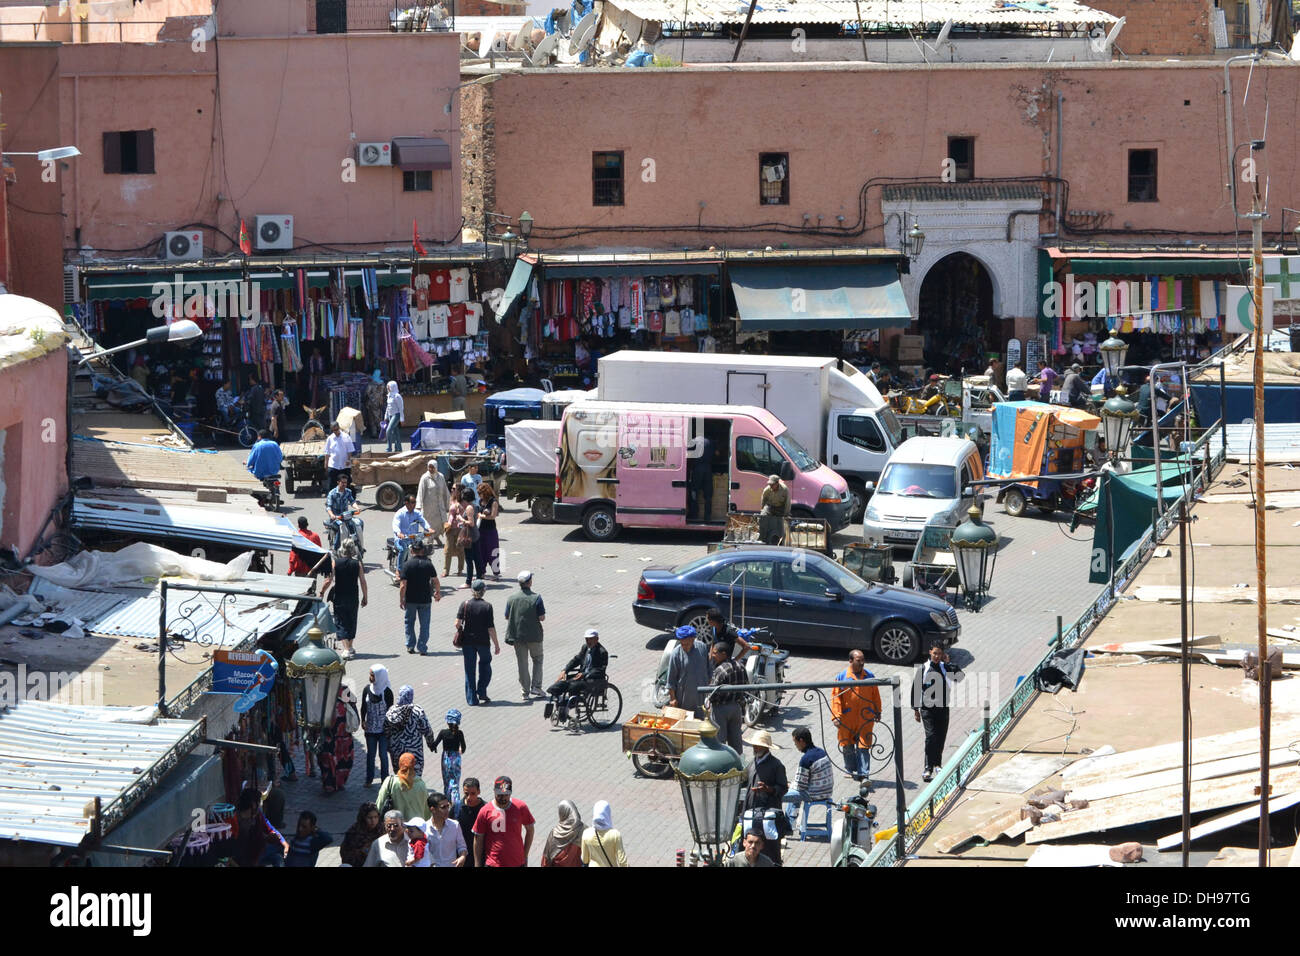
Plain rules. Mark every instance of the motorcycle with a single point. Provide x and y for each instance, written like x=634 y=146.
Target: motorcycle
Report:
x=340 y=532
x=432 y=540
x=272 y=501
x=765 y=664
x=851 y=833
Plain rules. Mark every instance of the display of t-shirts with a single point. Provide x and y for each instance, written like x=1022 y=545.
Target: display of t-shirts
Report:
x=625 y=318
x=654 y=321
x=688 y=322
x=651 y=294
x=708 y=344
x=607 y=296
x=420 y=324
x=667 y=292
x=473 y=313
x=439 y=320
x=440 y=285
x=672 y=323
x=459 y=282
x=686 y=293
x=456 y=323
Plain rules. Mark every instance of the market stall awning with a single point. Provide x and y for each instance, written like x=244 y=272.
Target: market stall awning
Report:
x=421 y=152
x=629 y=270
x=516 y=286
x=1146 y=266
x=140 y=285
x=813 y=296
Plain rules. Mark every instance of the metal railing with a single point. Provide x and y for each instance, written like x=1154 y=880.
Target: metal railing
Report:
x=970 y=755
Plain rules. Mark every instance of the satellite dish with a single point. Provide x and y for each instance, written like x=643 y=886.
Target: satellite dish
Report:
x=542 y=55
x=489 y=36
x=943 y=33
x=520 y=40
x=582 y=34
x=1295 y=47
x=1113 y=35
x=501 y=44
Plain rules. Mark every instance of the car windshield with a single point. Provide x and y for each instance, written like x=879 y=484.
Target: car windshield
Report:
x=918 y=481
x=890 y=421
x=842 y=576
x=802 y=458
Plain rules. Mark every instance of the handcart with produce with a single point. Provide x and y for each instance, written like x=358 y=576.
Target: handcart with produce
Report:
x=656 y=741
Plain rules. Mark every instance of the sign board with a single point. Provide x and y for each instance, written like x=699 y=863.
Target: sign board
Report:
x=1013 y=353
x=236 y=673
x=1282 y=275
x=1240 y=313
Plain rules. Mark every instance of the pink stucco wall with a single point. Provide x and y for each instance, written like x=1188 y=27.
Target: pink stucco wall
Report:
x=850 y=126
x=32 y=408
x=271 y=140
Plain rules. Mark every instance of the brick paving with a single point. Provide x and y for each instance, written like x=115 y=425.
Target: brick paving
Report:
x=1041 y=572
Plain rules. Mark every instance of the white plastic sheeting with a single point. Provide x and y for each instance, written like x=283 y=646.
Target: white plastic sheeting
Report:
x=135 y=563
x=530 y=447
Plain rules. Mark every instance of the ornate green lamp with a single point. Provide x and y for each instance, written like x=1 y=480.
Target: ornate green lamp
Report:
x=319 y=672
x=1117 y=418
x=974 y=551
x=711 y=775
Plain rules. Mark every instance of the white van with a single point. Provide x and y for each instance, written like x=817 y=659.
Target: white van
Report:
x=925 y=479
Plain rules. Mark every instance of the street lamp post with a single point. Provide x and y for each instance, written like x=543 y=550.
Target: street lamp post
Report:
x=711 y=775
x=974 y=551
x=50 y=155
x=525 y=226
x=1113 y=352
x=182 y=330
x=913 y=240
x=1117 y=418
x=319 y=672
x=509 y=244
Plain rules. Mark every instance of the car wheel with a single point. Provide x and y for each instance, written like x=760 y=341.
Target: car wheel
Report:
x=543 y=510
x=908 y=577
x=289 y=483
x=1013 y=503
x=598 y=524
x=897 y=642
x=859 y=509
x=696 y=617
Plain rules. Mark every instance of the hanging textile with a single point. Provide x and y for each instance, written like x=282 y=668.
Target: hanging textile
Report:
x=370 y=289
x=292 y=357
x=413 y=356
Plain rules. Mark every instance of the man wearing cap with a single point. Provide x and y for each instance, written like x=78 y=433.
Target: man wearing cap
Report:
x=525 y=613
x=776 y=507
x=1074 y=390
x=420 y=588
x=503 y=831
x=433 y=498
x=688 y=670
x=585 y=668
x=478 y=630
x=767 y=785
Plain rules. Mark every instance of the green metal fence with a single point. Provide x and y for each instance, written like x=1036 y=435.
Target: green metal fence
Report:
x=966 y=762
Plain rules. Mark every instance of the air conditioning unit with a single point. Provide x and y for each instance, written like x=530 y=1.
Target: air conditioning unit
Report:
x=183 y=245
x=71 y=285
x=374 y=154
x=273 y=232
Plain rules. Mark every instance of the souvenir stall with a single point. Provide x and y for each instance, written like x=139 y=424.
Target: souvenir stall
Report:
x=445 y=330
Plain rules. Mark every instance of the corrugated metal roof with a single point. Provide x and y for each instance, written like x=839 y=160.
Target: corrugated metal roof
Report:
x=873 y=12
x=238 y=528
x=1281 y=442
x=212 y=619
x=962 y=192
x=56 y=758
x=85 y=605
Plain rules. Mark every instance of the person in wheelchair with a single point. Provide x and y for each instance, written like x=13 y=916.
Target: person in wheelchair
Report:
x=585 y=672
x=339 y=505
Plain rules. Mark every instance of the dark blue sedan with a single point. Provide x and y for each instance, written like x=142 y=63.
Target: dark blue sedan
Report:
x=802 y=597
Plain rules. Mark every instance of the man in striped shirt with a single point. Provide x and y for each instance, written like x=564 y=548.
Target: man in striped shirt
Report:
x=815 y=777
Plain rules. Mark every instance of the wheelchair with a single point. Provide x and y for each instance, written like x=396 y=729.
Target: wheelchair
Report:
x=600 y=705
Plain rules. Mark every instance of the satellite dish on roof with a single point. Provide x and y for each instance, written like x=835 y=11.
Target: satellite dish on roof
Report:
x=939 y=41
x=582 y=34
x=542 y=55
x=1113 y=35
x=943 y=33
x=520 y=40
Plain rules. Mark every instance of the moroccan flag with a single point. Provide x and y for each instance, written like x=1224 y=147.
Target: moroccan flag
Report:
x=245 y=240
x=415 y=239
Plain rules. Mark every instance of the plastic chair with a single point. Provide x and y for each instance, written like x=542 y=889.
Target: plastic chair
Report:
x=790 y=806
x=816 y=830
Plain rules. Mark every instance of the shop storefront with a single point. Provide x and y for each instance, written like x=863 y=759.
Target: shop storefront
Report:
x=1168 y=306
x=324 y=332
x=572 y=308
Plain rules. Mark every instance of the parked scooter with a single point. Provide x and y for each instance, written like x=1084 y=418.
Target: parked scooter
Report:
x=272 y=501
x=765 y=664
x=851 y=832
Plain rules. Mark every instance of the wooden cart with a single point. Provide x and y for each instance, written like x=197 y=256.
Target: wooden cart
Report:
x=656 y=741
x=304 y=466
x=811 y=533
x=397 y=475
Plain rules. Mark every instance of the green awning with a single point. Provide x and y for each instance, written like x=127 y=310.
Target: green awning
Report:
x=798 y=296
x=624 y=270
x=516 y=286
x=140 y=285
x=1081 y=266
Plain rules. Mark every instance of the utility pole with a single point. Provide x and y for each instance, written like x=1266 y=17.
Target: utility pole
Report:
x=1256 y=217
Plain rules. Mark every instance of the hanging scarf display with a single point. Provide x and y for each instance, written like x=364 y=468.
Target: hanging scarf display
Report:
x=292 y=358
x=413 y=356
x=370 y=289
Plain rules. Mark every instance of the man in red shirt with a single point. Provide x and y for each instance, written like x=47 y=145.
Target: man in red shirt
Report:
x=297 y=566
x=503 y=832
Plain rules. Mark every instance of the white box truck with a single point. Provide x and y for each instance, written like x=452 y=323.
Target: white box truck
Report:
x=830 y=407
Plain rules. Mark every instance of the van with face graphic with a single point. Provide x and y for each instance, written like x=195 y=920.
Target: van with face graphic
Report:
x=650 y=465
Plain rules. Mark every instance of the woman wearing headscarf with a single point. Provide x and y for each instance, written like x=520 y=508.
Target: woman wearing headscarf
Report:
x=394 y=414
x=407 y=725
x=602 y=845
x=564 y=845
x=375 y=701
x=335 y=752
x=356 y=842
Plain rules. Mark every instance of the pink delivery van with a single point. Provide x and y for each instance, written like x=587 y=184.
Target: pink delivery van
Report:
x=647 y=465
